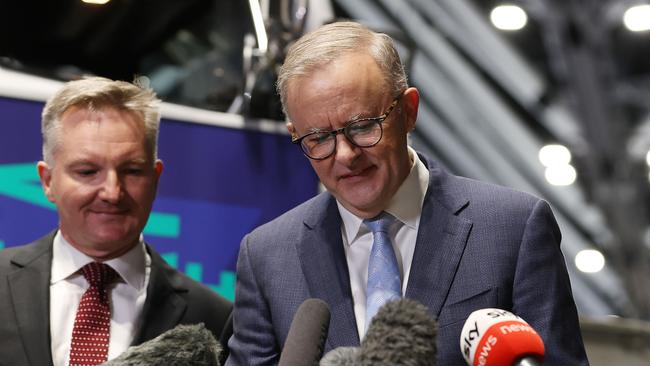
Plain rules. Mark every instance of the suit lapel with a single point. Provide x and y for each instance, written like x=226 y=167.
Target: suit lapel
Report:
x=30 y=294
x=164 y=307
x=440 y=242
x=323 y=263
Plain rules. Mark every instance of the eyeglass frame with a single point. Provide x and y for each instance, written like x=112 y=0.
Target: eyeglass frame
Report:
x=378 y=120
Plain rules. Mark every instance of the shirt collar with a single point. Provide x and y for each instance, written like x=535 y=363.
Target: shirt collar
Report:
x=67 y=261
x=406 y=204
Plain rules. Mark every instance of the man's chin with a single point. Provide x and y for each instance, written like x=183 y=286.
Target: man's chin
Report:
x=107 y=239
x=363 y=207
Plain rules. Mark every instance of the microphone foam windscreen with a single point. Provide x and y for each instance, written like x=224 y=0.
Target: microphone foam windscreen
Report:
x=495 y=337
x=402 y=333
x=341 y=356
x=189 y=345
x=306 y=339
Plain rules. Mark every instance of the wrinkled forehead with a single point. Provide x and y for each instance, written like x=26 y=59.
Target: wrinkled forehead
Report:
x=351 y=80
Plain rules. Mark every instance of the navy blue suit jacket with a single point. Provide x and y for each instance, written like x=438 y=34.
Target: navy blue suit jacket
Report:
x=478 y=246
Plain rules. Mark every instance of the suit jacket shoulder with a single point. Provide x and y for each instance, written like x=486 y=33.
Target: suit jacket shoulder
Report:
x=24 y=303
x=173 y=298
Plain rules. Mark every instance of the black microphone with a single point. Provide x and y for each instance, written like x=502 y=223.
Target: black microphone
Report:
x=402 y=333
x=191 y=345
x=341 y=356
x=306 y=339
x=495 y=337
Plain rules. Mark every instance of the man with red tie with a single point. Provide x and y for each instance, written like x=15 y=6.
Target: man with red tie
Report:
x=84 y=293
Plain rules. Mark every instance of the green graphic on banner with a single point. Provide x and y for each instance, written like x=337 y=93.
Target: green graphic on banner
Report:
x=171 y=259
x=2 y=244
x=21 y=182
x=226 y=287
x=194 y=270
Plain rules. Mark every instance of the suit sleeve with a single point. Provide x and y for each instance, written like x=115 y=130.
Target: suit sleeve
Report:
x=542 y=291
x=253 y=341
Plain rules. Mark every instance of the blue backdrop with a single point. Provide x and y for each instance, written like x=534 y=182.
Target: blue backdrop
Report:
x=218 y=184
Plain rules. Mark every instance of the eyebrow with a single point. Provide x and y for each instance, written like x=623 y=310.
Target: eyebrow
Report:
x=137 y=161
x=353 y=118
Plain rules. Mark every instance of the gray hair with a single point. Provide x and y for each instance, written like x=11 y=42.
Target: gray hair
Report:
x=95 y=93
x=334 y=40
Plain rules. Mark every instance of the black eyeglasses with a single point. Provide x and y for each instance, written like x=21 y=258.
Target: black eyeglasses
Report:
x=363 y=132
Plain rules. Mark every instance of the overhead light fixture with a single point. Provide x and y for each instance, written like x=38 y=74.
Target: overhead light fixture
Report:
x=590 y=261
x=98 y=2
x=258 y=23
x=508 y=17
x=637 y=18
x=561 y=175
x=557 y=158
x=553 y=155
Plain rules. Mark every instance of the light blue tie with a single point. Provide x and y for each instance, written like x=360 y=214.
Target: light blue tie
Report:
x=384 y=282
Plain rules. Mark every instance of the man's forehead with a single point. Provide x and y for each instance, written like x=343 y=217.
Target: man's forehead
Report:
x=92 y=112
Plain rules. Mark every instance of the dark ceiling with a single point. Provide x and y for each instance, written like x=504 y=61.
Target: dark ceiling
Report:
x=111 y=39
x=124 y=38
x=184 y=42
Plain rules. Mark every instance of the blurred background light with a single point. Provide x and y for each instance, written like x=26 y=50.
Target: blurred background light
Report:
x=560 y=175
x=637 y=18
x=590 y=261
x=554 y=155
x=508 y=17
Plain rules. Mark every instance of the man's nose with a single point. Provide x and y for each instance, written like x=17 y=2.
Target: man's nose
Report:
x=111 y=190
x=346 y=152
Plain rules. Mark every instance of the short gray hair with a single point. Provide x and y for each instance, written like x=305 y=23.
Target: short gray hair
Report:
x=330 y=42
x=95 y=93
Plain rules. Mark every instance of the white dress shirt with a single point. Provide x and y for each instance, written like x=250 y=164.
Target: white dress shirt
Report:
x=406 y=207
x=67 y=285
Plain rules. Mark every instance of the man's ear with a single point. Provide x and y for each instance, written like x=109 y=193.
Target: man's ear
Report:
x=45 y=175
x=410 y=103
x=292 y=131
x=158 y=168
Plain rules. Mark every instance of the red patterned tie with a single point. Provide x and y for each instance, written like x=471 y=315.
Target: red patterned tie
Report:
x=92 y=323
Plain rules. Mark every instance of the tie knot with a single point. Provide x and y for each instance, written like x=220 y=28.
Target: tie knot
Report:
x=98 y=274
x=380 y=223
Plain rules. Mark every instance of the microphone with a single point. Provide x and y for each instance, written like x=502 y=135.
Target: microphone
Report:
x=191 y=345
x=495 y=337
x=306 y=339
x=402 y=333
x=341 y=356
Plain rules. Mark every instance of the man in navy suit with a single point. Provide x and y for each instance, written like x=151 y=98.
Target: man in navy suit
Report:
x=100 y=169
x=460 y=245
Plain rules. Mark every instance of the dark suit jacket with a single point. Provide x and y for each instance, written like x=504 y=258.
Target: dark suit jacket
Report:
x=172 y=299
x=478 y=246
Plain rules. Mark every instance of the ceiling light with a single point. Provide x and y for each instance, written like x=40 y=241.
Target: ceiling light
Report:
x=508 y=17
x=100 y=2
x=590 y=261
x=560 y=175
x=553 y=155
x=637 y=18
x=258 y=23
